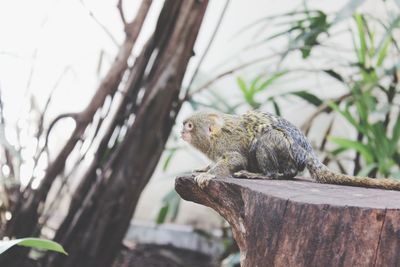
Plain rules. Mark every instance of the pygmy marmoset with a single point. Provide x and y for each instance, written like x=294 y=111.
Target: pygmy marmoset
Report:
x=260 y=145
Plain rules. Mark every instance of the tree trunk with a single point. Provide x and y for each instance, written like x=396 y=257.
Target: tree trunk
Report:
x=105 y=201
x=301 y=223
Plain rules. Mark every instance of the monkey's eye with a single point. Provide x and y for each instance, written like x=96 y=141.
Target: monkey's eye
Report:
x=189 y=126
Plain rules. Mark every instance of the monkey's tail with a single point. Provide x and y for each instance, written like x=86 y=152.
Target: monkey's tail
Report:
x=322 y=174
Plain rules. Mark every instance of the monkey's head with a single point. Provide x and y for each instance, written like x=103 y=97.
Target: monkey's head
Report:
x=199 y=128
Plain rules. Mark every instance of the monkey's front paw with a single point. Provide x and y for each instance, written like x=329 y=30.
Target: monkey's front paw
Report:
x=203 y=179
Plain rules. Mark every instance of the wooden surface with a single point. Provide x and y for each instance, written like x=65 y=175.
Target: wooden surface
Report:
x=302 y=223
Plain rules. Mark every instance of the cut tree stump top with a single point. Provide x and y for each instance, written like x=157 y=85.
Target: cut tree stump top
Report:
x=303 y=223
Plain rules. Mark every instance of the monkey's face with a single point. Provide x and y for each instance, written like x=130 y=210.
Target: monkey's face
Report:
x=198 y=129
x=195 y=132
x=186 y=132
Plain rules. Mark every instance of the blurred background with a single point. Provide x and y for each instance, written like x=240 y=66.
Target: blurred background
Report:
x=93 y=94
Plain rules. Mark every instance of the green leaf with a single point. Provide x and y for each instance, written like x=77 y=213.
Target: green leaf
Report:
x=382 y=144
x=162 y=214
x=33 y=243
x=247 y=93
x=254 y=82
x=362 y=109
x=242 y=85
x=394 y=24
x=346 y=114
x=339 y=150
x=310 y=98
x=171 y=153
x=305 y=52
x=276 y=107
x=395 y=133
x=173 y=200
x=383 y=51
x=371 y=35
x=170 y=207
x=361 y=35
x=350 y=144
x=270 y=80
x=334 y=74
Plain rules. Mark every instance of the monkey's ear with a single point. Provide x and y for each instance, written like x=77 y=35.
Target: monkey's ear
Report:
x=216 y=123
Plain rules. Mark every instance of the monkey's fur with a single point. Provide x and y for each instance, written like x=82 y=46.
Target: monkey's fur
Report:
x=261 y=145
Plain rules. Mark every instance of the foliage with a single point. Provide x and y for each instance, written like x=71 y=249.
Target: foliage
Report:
x=257 y=86
x=373 y=96
x=371 y=78
x=371 y=110
x=38 y=243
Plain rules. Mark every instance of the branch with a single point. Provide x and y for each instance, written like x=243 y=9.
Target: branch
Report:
x=121 y=12
x=46 y=106
x=59 y=117
x=132 y=29
x=74 y=116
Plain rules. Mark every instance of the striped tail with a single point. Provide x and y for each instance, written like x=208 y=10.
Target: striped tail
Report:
x=322 y=174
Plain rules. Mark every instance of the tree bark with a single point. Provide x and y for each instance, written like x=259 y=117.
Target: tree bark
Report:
x=105 y=201
x=302 y=223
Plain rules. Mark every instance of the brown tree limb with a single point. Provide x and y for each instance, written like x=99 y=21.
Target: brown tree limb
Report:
x=121 y=12
x=111 y=198
x=96 y=169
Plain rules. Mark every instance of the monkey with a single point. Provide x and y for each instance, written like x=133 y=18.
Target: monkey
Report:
x=260 y=145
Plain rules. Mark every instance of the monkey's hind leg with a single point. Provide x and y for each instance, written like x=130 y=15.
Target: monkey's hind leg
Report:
x=251 y=175
x=273 y=156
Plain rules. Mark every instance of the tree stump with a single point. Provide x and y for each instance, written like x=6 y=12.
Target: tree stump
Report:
x=303 y=223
